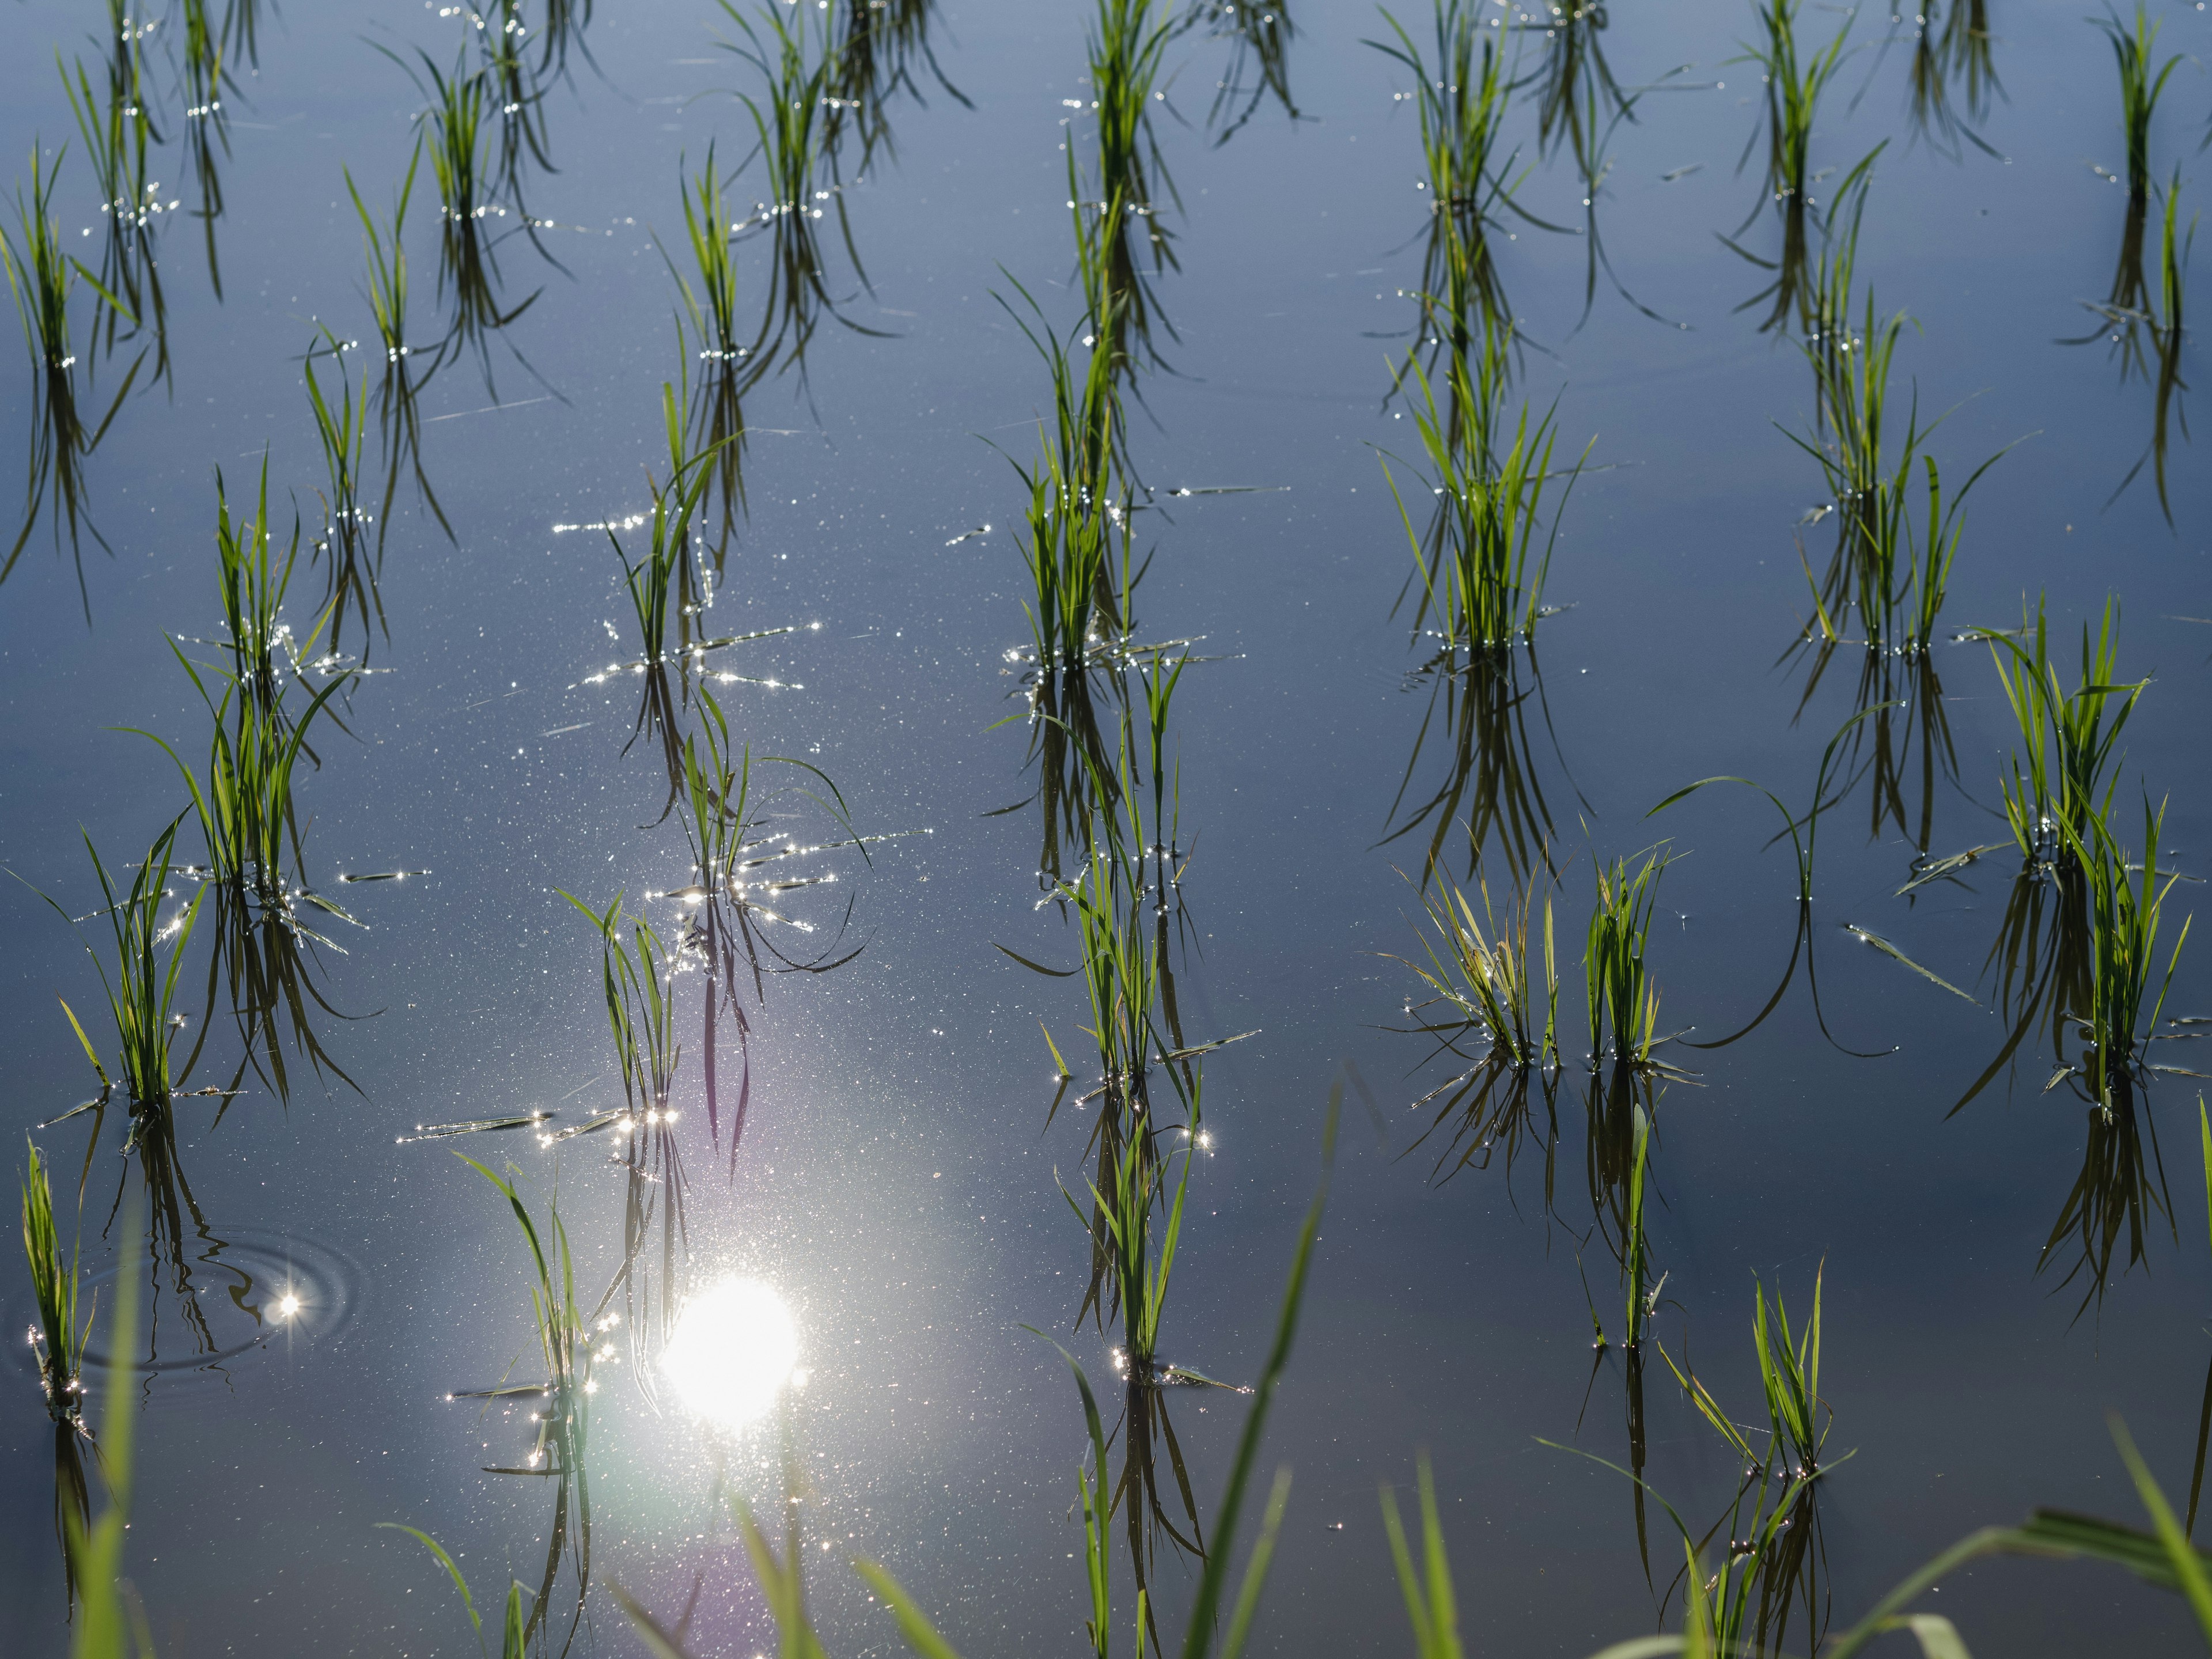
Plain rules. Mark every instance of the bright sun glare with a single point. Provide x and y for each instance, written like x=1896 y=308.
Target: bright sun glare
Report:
x=734 y=1348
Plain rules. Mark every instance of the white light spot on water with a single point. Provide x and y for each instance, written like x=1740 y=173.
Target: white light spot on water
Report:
x=734 y=1350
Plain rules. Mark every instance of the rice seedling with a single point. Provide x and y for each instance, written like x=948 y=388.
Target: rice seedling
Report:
x=143 y=987
x=1430 y=1601
x=2071 y=767
x=251 y=826
x=1894 y=576
x=207 y=123
x=399 y=425
x=798 y=63
x=58 y=1337
x=1462 y=100
x=669 y=595
x=1127 y=41
x=2134 y=51
x=709 y=328
x=2126 y=992
x=1624 y=997
x=637 y=980
x=738 y=884
x=1259 y=34
x=1483 y=563
x=572 y=1346
x=1794 y=85
x=118 y=134
x=1952 y=44
x=1480 y=974
x=461 y=104
x=352 y=570
x=42 y=280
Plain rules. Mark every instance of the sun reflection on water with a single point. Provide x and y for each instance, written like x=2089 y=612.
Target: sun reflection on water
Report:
x=734 y=1348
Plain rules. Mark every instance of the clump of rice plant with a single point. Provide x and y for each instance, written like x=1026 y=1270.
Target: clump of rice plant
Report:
x=116 y=125
x=42 y=280
x=143 y=986
x=1793 y=86
x=1483 y=972
x=352 y=568
x=2127 y=992
x=794 y=134
x=1462 y=100
x=59 y=1336
x=572 y=1344
x=2134 y=51
x=2065 y=772
x=1624 y=997
x=1483 y=560
x=1117 y=218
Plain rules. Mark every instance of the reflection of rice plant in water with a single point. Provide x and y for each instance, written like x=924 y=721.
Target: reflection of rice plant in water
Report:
x=1259 y=34
x=2133 y=51
x=2146 y=338
x=42 y=279
x=207 y=123
x=1118 y=230
x=879 y=43
x=1950 y=44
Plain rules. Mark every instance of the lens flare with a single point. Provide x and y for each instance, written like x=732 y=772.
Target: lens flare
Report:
x=734 y=1348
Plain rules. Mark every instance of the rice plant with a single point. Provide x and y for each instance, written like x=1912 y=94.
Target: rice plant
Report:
x=1481 y=978
x=207 y=123
x=1794 y=85
x=352 y=569
x=1482 y=562
x=572 y=1345
x=42 y=280
x=668 y=596
x=709 y=327
x=2126 y=991
x=1624 y=997
x=1462 y=99
x=2141 y=81
x=142 y=988
x=110 y=1622
x=2149 y=341
x=513 y=1623
x=637 y=980
x=384 y=248
x=461 y=105
x=58 y=1337
x=119 y=136
x=245 y=803
x=798 y=62
x=1427 y=1587
x=741 y=873
x=2065 y=773
x=1118 y=228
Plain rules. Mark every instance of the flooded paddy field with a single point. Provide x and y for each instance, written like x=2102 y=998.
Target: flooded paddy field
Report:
x=1469 y=741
